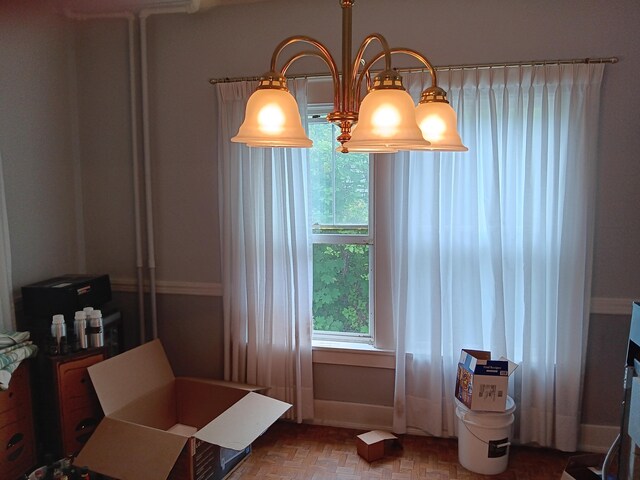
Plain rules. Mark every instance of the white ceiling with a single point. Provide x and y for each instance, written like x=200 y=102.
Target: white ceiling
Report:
x=134 y=6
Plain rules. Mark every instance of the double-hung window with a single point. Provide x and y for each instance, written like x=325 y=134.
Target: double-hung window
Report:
x=340 y=209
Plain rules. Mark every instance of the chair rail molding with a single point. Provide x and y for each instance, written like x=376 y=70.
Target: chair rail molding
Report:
x=167 y=287
x=599 y=305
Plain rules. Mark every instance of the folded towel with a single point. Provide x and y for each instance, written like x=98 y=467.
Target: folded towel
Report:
x=14 y=348
x=8 y=338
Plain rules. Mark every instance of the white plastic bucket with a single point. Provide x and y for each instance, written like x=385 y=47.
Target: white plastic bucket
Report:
x=484 y=438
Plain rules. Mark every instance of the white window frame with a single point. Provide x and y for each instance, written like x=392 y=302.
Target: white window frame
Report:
x=316 y=114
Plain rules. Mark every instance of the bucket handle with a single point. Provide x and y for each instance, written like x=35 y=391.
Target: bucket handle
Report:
x=467 y=422
x=475 y=424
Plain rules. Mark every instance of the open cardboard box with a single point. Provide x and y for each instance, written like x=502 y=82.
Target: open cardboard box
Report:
x=482 y=383
x=157 y=426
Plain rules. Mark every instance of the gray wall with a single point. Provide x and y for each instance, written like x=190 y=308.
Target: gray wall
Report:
x=38 y=141
x=62 y=216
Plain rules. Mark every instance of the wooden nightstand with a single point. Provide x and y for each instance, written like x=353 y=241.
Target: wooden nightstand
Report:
x=17 y=437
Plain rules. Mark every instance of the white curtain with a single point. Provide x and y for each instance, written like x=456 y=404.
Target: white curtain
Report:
x=491 y=249
x=266 y=258
x=7 y=313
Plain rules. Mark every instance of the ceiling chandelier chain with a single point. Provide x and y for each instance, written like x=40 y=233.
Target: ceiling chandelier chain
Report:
x=386 y=118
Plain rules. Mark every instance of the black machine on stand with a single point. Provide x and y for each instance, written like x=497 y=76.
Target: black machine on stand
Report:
x=66 y=295
x=622 y=461
x=66 y=408
x=624 y=455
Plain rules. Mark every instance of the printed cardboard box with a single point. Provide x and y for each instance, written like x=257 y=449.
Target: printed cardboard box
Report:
x=482 y=383
x=157 y=426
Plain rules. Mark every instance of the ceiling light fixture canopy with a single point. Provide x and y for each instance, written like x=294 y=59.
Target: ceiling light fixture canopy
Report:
x=386 y=117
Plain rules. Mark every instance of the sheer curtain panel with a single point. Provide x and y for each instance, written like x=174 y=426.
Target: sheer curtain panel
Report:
x=491 y=249
x=266 y=258
x=7 y=312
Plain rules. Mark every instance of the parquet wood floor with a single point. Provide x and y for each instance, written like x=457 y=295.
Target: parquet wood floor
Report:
x=309 y=452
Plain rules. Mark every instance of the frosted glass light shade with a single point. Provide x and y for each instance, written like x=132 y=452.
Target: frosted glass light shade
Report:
x=272 y=120
x=352 y=149
x=438 y=123
x=386 y=120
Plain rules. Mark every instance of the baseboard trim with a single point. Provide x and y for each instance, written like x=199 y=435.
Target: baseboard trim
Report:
x=359 y=416
x=362 y=416
x=597 y=438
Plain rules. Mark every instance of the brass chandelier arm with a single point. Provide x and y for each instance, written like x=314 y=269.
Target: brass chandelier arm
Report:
x=406 y=51
x=323 y=53
x=356 y=64
x=332 y=68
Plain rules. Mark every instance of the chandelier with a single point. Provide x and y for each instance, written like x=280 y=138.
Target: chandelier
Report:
x=384 y=120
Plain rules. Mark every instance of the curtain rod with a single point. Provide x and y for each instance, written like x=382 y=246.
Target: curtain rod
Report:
x=213 y=81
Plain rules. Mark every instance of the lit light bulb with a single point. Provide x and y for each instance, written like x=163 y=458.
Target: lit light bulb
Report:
x=433 y=128
x=271 y=119
x=385 y=120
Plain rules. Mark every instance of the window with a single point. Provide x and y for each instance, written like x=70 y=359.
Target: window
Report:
x=340 y=211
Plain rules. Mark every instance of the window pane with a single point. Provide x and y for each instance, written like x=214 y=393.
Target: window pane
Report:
x=339 y=183
x=321 y=178
x=341 y=288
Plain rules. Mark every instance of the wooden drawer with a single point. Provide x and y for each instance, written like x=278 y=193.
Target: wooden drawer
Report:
x=18 y=392
x=79 y=408
x=17 y=448
x=73 y=378
x=17 y=437
x=78 y=426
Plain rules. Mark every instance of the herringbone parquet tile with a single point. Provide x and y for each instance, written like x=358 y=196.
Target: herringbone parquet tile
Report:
x=307 y=452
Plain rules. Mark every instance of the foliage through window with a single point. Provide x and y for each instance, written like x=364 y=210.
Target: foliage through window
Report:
x=342 y=238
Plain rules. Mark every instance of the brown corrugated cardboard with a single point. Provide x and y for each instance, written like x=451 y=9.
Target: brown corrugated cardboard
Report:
x=155 y=422
x=584 y=467
x=371 y=445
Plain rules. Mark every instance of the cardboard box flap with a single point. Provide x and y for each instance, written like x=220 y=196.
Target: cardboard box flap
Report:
x=471 y=358
x=243 y=422
x=130 y=375
x=124 y=450
x=375 y=436
x=512 y=365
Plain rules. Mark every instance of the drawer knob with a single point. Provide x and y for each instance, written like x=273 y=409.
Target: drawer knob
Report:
x=85 y=429
x=86 y=423
x=13 y=441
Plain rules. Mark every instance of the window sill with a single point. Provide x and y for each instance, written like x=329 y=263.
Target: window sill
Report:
x=353 y=354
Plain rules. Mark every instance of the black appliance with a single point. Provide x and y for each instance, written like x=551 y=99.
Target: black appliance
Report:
x=623 y=459
x=65 y=295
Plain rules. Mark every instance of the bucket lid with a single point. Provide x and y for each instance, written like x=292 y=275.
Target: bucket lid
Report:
x=509 y=408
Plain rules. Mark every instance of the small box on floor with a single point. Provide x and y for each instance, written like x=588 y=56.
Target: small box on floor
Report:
x=372 y=445
x=482 y=383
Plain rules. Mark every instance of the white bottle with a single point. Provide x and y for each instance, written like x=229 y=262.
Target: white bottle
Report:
x=58 y=330
x=96 y=333
x=80 y=329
